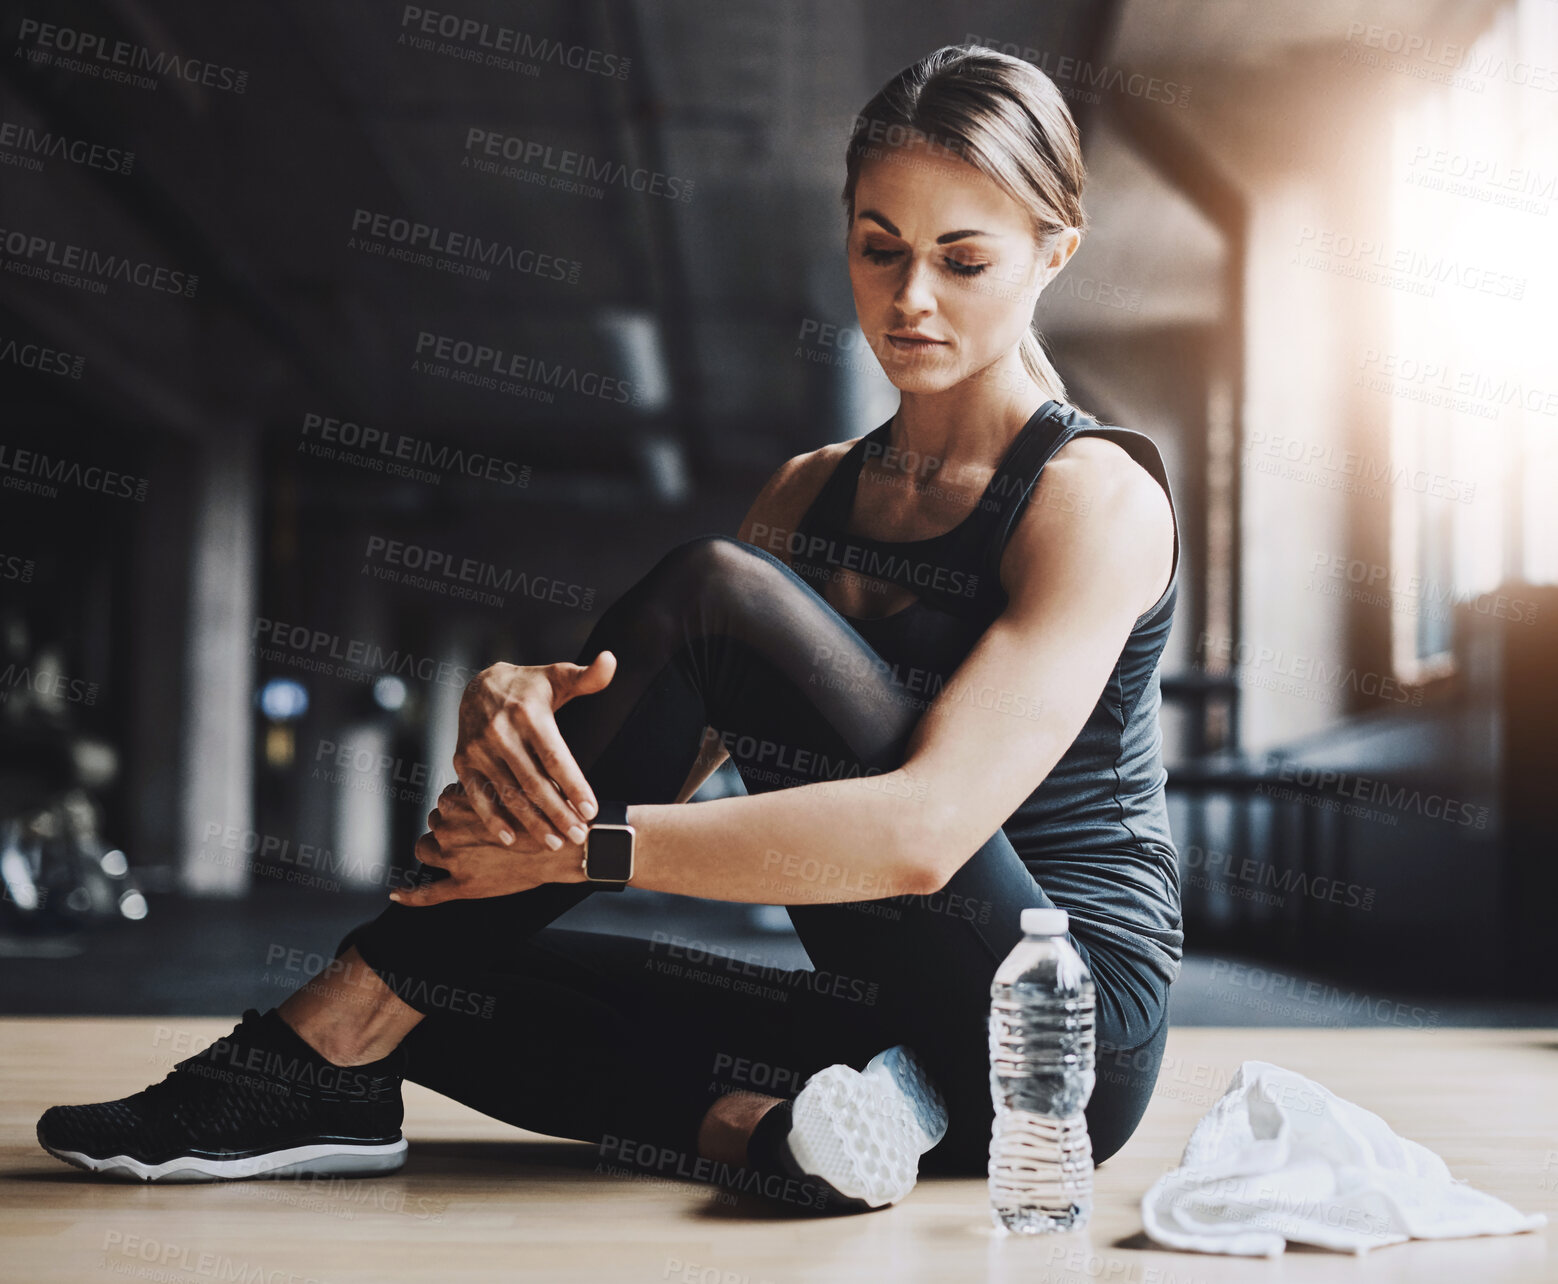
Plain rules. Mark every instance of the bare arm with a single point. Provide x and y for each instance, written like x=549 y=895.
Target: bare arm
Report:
x=516 y=771
x=1077 y=581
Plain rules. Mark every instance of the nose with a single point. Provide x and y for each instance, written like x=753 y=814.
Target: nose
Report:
x=914 y=297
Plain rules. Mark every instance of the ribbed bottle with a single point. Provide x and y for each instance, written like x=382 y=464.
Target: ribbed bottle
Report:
x=1041 y=1076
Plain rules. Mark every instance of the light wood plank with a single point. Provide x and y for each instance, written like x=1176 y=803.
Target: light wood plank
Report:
x=480 y=1201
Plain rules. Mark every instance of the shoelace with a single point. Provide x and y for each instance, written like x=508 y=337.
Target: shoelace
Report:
x=185 y=1077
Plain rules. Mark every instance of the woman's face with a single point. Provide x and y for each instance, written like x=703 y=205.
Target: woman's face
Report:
x=937 y=249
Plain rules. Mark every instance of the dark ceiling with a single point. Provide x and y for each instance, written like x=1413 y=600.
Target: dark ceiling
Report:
x=283 y=200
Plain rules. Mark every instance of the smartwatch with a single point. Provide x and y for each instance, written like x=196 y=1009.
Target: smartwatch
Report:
x=608 y=848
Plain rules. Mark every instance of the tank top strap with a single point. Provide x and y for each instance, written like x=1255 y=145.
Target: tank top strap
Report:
x=834 y=502
x=1063 y=424
x=1049 y=429
x=822 y=525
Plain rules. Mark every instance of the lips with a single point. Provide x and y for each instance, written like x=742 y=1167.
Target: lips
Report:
x=914 y=341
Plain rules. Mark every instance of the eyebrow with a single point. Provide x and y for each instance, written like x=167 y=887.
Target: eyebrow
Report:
x=944 y=239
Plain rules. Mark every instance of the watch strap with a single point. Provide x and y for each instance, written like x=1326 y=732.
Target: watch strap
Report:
x=609 y=812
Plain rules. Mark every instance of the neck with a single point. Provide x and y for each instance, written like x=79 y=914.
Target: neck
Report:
x=971 y=424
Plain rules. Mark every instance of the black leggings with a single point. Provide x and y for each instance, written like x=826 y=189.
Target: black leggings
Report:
x=593 y=1036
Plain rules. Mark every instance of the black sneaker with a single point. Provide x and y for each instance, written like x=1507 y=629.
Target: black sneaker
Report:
x=856 y=1134
x=258 y=1103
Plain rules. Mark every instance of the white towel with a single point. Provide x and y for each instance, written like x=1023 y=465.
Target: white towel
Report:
x=1280 y=1158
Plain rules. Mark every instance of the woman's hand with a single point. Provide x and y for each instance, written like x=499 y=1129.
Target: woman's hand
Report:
x=517 y=771
x=457 y=841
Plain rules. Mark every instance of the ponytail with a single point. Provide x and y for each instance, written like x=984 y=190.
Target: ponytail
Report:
x=1039 y=367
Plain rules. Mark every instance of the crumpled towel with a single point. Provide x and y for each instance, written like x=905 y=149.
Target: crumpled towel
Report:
x=1280 y=1158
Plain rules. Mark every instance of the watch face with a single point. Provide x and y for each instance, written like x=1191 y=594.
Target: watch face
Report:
x=610 y=854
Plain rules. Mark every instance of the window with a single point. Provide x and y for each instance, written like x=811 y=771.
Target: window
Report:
x=1471 y=373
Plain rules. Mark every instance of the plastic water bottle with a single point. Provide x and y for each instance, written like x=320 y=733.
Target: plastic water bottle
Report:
x=1041 y=1076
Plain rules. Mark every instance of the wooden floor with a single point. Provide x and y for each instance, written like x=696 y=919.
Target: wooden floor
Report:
x=479 y=1201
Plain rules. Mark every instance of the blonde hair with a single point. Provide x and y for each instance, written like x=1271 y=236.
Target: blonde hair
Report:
x=1001 y=115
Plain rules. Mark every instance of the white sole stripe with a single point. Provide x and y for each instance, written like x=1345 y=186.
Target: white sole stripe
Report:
x=384 y=1157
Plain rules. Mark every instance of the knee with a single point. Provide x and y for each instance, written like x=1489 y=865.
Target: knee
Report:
x=705 y=557
x=711 y=571
x=1108 y=1133
x=1122 y=1091
x=1132 y=1000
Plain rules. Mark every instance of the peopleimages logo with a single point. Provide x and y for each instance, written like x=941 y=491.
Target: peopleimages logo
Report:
x=40 y=357
x=483 y=366
x=23 y=469
x=319 y=651
x=489 y=45
x=1337 y=575
x=1273 y=668
x=466 y=577
x=1401 y=267
x=1418 y=54
x=874 y=563
x=14 y=567
x=572 y=172
x=352 y=442
x=36 y=145
x=301 y=864
x=1376 y=792
x=97 y=55
x=460 y=253
x=31 y=255
x=46 y=682
x=1079 y=78
x=1443 y=383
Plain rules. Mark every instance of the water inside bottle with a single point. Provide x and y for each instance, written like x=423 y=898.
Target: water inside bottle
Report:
x=1041 y=1076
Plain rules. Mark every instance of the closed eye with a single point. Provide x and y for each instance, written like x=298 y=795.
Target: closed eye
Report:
x=873 y=255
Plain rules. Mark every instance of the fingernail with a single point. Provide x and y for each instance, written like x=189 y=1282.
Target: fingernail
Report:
x=577 y=834
x=395 y=896
x=553 y=841
x=586 y=809
x=505 y=836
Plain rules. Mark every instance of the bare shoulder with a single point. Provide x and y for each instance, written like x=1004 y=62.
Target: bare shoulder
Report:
x=1096 y=467
x=787 y=494
x=1093 y=499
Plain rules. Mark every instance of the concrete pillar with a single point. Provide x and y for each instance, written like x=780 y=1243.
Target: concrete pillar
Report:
x=218 y=714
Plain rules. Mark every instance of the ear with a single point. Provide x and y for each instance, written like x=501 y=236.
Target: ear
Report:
x=1061 y=249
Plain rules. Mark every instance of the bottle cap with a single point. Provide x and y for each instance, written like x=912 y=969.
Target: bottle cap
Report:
x=1044 y=922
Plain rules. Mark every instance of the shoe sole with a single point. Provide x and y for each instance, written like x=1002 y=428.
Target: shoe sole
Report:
x=296 y=1161
x=863 y=1132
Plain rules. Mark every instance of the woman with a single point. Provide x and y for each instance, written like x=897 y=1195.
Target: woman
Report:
x=941 y=691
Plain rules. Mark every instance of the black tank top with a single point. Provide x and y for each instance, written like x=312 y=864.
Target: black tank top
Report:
x=1095 y=832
